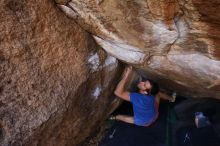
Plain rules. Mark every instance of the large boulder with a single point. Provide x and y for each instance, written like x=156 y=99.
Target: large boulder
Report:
x=173 y=41
x=55 y=81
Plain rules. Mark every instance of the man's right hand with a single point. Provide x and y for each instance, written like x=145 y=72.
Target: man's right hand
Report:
x=127 y=72
x=120 y=89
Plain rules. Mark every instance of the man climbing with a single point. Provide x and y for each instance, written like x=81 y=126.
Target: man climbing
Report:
x=145 y=102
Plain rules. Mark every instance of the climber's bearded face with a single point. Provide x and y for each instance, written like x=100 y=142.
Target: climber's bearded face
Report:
x=144 y=86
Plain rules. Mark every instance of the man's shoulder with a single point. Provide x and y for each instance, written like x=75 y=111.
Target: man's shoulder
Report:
x=139 y=94
x=135 y=94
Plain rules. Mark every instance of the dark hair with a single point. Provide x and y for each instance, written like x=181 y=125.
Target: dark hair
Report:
x=154 y=86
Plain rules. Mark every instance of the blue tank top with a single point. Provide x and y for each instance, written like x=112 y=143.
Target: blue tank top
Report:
x=144 y=108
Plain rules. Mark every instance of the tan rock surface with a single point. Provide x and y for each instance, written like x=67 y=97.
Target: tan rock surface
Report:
x=55 y=81
x=174 y=41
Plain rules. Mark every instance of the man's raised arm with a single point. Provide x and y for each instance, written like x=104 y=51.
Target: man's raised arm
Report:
x=120 y=89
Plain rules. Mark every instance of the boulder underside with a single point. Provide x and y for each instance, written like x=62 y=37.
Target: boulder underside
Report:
x=175 y=42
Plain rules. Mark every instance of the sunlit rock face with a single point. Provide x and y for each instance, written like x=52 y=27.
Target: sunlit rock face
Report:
x=176 y=42
x=55 y=81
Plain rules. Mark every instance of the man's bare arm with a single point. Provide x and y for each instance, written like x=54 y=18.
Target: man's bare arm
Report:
x=120 y=89
x=164 y=96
